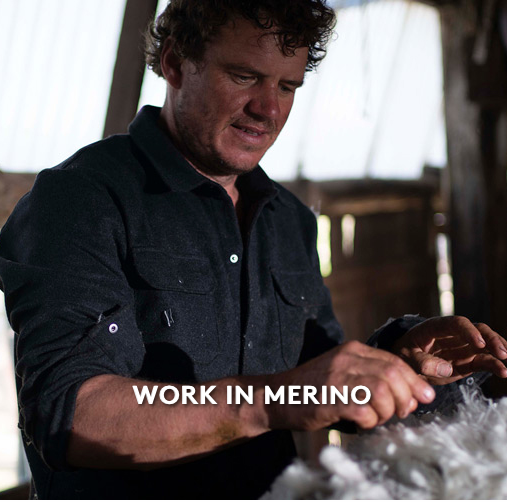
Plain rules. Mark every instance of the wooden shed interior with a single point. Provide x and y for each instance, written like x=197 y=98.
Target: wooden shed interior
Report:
x=384 y=263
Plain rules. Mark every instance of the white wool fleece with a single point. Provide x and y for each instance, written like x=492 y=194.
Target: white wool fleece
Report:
x=459 y=457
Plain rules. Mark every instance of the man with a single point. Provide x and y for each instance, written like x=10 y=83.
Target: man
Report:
x=166 y=256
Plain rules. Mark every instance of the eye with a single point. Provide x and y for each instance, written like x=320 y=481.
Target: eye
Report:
x=243 y=79
x=286 y=89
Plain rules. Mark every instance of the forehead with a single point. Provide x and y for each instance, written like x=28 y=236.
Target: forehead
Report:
x=243 y=42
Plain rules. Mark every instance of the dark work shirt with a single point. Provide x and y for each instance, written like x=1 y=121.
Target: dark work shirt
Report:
x=125 y=260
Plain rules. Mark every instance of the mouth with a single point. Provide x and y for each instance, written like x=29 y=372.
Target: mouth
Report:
x=252 y=131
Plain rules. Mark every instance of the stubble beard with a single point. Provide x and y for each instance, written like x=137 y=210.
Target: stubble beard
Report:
x=204 y=157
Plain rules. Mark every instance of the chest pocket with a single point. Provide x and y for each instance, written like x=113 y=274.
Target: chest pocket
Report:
x=175 y=303
x=299 y=294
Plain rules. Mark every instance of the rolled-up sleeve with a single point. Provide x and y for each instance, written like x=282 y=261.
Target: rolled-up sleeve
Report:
x=62 y=255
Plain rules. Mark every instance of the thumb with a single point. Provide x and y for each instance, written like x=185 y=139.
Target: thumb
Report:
x=431 y=366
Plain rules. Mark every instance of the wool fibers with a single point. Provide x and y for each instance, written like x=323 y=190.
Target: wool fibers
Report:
x=462 y=456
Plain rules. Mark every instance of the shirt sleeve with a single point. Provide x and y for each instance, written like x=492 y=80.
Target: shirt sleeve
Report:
x=68 y=300
x=385 y=336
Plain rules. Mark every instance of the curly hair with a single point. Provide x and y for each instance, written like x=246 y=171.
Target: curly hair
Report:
x=190 y=24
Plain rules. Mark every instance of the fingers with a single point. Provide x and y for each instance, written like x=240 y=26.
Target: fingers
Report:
x=396 y=372
x=479 y=335
x=418 y=388
x=398 y=380
x=462 y=329
x=445 y=349
x=445 y=332
x=482 y=362
x=363 y=415
x=394 y=385
x=473 y=356
x=450 y=342
x=394 y=388
x=430 y=365
x=384 y=402
x=495 y=344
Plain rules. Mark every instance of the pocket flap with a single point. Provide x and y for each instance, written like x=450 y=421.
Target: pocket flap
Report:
x=303 y=288
x=166 y=271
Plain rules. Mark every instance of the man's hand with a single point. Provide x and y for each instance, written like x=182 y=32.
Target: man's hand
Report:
x=446 y=349
x=101 y=436
x=394 y=386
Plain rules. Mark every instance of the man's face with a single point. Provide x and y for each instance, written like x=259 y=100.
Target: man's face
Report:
x=229 y=109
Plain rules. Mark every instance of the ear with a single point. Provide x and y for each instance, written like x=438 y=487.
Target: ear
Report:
x=170 y=64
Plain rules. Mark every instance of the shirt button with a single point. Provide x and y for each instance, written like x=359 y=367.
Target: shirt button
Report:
x=250 y=344
x=113 y=328
x=234 y=258
x=470 y=380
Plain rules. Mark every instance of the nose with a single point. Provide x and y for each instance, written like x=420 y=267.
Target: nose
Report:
x=264 y=104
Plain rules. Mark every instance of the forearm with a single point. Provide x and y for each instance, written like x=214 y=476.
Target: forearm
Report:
x=111 y=430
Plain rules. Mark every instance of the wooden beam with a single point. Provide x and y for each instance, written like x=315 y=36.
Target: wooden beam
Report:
x=129 y=68
x=21 y=492
x=12 y=187
x=467 y=191
x=494 y=151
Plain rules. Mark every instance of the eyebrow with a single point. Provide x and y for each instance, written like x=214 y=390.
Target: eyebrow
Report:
x=251 y=71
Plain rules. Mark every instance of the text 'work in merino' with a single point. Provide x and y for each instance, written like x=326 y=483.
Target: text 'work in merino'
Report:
x=291 y=394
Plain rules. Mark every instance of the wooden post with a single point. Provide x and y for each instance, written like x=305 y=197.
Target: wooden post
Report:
x=129 y=68
x=494 y=143
x=12 y=187
x=467 y=191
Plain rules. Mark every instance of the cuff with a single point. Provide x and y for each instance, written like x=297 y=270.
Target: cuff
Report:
x=385 y=336
x=48 y=398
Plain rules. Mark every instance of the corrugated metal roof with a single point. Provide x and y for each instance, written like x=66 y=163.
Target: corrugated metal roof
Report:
x=374 y=107
x=56 y=60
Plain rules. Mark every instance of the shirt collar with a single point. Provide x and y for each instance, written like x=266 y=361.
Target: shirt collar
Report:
x=172 y=167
